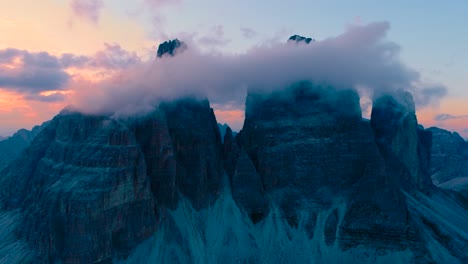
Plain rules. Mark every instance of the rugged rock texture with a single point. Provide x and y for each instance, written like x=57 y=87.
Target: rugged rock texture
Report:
x=83 y=191
x=449 y=156
x=231 y=152
x=311 y=148
x=91 y=188
x=393 y=120
x=11 y=147
x=152 y=134
x=197 y=146
x=170 y=48
x=310 y=139
x=307 y=179
x=247 y=189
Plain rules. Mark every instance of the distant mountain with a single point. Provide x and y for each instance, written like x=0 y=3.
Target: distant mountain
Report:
x=11 y=147
x=222 y=130
x=449 y=160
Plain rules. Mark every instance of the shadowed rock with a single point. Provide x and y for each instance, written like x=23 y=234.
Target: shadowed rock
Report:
x=170 y=48
x=11 y=147
x=91 y=188
x=449 y=158
x=300 y=39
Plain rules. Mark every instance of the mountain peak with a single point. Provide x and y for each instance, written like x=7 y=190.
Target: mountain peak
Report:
x=300 y=39
x=170 y=47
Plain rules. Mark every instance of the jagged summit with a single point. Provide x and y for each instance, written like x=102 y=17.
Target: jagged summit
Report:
x=306 y=180
x=300 y=39
x=171 y=47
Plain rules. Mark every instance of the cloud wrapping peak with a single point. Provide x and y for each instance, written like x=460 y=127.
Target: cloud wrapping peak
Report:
x=87 y=9
x=360 y=57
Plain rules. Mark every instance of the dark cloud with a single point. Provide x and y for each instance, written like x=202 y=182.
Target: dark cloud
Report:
x=87 y=9
x=359 y=58
x=31 y=72
x=248 y=33
x=445 y=117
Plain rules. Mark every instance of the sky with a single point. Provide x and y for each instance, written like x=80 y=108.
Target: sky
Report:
x=59 y=52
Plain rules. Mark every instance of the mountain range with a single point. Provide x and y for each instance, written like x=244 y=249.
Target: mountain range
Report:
x=306 y=180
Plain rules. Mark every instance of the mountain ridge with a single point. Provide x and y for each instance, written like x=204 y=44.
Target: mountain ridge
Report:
x=306 y=180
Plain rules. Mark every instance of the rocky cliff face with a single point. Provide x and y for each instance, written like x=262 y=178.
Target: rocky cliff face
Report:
x=306 y=180
x=403 y=144
x=91 y=188
x=449 y=162
x=311 y=147
x=11 y=147
x=449 y=158
x=197 y=145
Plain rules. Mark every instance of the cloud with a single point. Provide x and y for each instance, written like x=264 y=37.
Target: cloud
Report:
x=360 y=57
x=248 y=33
x=54 y=97
x=87 y=9
x=215 y=37
x=32 y=73
x=156 y=4
x=113 y=56
x=430 y=94
x=445 y=117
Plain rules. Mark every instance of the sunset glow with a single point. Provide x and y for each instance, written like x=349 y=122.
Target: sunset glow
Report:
x=51 y=50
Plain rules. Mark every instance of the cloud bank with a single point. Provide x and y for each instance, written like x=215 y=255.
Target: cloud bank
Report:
x=32 y=73
x=360 y=58
x=445 y=117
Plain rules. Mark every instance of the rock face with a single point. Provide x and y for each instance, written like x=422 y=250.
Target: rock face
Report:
x=170 y=47
x=11 y=148
x=310 y=147
x=307 y=179
x=91 y=188
x=393 y=120
x=197 y=146
x=300 y=39
x=449 y=159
